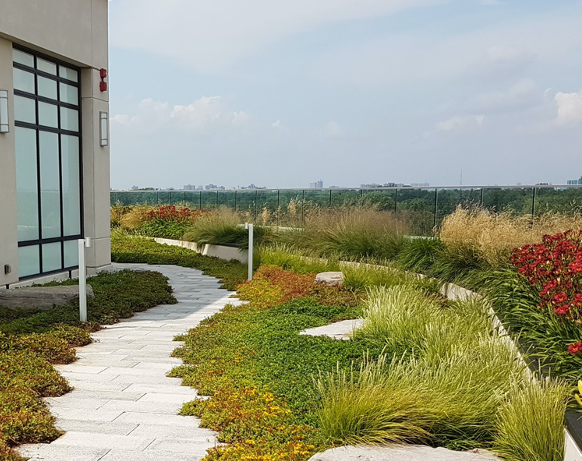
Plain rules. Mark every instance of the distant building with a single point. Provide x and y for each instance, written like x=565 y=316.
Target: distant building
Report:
x=134 y=187
x=189 y=187
x=575 y=181
x=316 y=185
x=419 y=184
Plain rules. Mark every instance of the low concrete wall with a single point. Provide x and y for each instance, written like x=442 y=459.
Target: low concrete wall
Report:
x=218 y=251
x=572 y=451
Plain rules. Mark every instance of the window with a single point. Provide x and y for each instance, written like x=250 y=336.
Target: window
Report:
x=48 y=163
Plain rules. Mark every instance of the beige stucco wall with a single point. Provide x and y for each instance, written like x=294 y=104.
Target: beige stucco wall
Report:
x=8 y=219
x=95 y=172
x=74 y=31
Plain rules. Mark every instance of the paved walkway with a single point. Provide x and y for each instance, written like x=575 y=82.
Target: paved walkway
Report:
x=123 y=407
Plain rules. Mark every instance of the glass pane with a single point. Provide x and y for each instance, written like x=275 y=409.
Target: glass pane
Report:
x=26 y=184
x=28 y=261
x=46 y=66
x=48 y=115
x=69 y=119
x=69 y=74
x=23 y=58
x=71 y=185
x=50 y=185
x=51 y=257
x=71 y=253
x=69 y=94
x=24 y=110
x=47 y=87
x=23 y=81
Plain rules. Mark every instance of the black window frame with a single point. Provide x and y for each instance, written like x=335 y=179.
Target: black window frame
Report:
x=41 y=128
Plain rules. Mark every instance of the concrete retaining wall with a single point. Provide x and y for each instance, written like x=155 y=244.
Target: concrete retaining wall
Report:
x=218 y=251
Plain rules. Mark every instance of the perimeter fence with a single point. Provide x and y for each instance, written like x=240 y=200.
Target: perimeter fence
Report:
x=425 y=206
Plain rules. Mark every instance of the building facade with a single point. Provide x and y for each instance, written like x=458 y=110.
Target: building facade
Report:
x=54 y=137
x=575 y=181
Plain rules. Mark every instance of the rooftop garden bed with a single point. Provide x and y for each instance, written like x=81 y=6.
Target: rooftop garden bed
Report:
x=280 y=395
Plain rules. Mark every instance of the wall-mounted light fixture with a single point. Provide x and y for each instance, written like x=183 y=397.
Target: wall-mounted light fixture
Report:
x=4 y=125
x=103 y=129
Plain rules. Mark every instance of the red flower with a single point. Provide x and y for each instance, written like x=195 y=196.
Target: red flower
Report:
x=560 y=297
x=575 y=348
x=575 y=266
x=562 y=310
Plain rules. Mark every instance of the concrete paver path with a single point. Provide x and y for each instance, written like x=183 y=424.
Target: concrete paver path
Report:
x=123 y=407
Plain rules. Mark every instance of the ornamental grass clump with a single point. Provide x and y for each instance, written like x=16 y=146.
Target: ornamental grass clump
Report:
x=349 y=231
x=451 y=402
x=298 y=261
x=225 y=227
x=488 y=237
x=529 y=423
x=449 y=375
x=407 y=321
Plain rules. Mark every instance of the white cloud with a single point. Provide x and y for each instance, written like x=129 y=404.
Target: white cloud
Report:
x=211 y=36
x=569 y=108
x=523 y=94
x=332 y=130
x=496 y=52
x=459 y=121
x=201 y=114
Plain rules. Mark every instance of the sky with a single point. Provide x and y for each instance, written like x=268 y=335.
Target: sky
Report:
x=285 y=93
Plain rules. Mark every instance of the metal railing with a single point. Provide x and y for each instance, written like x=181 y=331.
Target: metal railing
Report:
x=429 y=205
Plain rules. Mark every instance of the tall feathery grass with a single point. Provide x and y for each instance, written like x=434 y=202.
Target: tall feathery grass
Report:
x=223 y=227
x=355 y=231
x=490 y=236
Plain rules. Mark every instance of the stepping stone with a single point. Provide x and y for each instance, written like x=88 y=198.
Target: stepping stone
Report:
x=402 y=453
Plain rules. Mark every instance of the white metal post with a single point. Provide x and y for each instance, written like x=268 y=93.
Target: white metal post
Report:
x=251 y=248
x=82 y=282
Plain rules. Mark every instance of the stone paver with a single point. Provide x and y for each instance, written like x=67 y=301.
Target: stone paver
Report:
x=402 y=453
x=337 y=330
x=123 y=406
